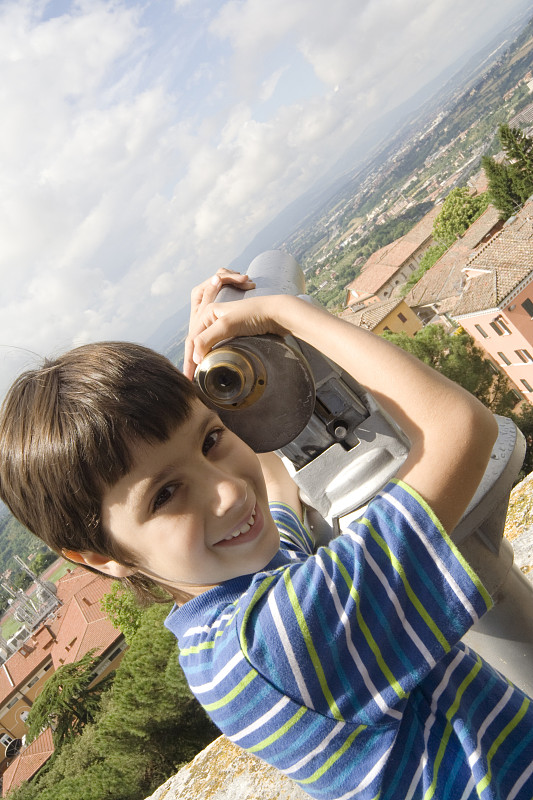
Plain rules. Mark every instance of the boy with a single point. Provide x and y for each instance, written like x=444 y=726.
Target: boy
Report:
x=343 y=668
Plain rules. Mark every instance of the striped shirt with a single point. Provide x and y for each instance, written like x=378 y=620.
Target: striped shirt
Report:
x=344 y=668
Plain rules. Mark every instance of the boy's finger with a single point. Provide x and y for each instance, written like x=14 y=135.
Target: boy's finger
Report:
x=207 y=292
x=221 y=321
x=188 y=363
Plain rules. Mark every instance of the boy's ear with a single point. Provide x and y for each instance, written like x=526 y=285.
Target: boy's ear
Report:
x=99 y=562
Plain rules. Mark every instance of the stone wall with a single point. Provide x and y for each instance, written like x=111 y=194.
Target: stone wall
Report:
x=519 y=525
x=225 y=772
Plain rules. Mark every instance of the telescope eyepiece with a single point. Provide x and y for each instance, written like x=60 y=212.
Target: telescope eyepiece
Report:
x=231 y=378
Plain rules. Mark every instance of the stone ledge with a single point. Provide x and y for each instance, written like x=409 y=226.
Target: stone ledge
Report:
x=519 y=525
x=224 y=771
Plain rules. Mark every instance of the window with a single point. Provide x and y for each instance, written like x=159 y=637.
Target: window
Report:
x=524 y=355
x=6 y=739
x=12 y=702
x=33 y=682
x=500 y=326
x=527 y=385
x=402 y=318
x=481 y=331
x=527 y=305
x=504 y=358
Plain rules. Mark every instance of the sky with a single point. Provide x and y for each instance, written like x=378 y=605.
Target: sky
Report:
x=144 y=144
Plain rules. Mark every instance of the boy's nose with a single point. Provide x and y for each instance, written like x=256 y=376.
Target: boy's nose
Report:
x=228 y=493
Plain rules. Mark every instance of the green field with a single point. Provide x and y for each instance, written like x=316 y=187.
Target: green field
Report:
x=61 y=570
x=9 y=627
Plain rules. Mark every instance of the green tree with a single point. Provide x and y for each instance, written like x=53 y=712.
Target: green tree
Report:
x=123 y=610
x=459 y=211
x=164 y=722
x=148 y=724
x=67 y=703
x=21 y=580
x=430 y=257
x=42 y=561
x=519 y=151
x=457 y=357
x=524 y=420
x=511 y=183
x=502 y=193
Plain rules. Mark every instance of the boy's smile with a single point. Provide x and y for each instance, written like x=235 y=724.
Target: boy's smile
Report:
x=194 y=509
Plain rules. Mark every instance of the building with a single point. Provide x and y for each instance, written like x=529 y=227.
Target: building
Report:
x=440 y=288
x=78 y=625
x=389 y=267
x=391 y=315
x=496 y=304
x=29 y=762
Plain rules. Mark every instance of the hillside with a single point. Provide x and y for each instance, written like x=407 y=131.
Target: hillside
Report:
x=439 y=148
x=15 y=539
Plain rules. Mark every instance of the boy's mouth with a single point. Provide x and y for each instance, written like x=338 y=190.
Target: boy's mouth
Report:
x=245 y=532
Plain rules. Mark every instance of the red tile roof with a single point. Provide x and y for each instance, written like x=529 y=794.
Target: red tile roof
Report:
x=370 y=316
x=445 y=279
x=503 y=263
x=73 y=582
x=26 y=661
x=384 y=263
x=28 y=762
x=80 y=624
x=77 y=626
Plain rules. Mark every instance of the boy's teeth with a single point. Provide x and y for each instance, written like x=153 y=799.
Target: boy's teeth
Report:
x=243 y=529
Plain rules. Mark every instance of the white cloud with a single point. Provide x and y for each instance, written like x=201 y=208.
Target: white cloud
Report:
x=141 y=146
x=268 y=87
x=375 y=45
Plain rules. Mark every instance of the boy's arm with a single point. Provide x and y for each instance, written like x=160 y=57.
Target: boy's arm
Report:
x=450 y=431
x=280 y=486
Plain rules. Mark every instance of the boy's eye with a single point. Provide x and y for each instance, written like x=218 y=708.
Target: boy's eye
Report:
x=212 y=439
x=163 y=496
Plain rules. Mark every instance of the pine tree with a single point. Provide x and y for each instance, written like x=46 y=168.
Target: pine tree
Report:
x=517 y=147
x=66 y=703
x=501 y=187
x=511 y=184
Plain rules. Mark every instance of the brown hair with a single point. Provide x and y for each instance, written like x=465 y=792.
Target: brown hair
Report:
x=66 y=432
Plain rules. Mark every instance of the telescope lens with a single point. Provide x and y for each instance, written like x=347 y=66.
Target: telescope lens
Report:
x=224 y=383
x=231 y=378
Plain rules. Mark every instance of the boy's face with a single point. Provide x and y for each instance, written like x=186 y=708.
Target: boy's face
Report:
x=194 y=509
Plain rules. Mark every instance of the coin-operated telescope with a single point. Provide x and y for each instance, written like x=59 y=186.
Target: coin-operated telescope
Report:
x=342 y=448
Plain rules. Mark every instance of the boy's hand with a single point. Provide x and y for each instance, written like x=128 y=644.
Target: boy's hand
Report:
x=251 y=317
x=201 y=296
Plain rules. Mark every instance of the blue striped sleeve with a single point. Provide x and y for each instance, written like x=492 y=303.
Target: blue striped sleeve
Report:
x=370 y=615
x=293 y=533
